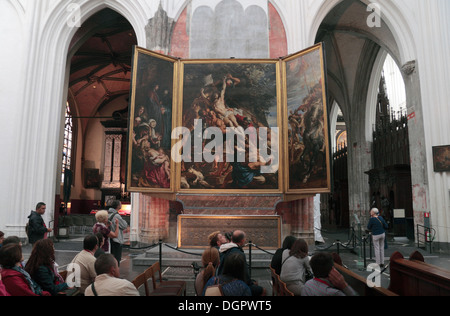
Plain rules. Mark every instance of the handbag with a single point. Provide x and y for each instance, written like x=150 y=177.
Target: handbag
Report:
x=308 y=275
x=214 y=290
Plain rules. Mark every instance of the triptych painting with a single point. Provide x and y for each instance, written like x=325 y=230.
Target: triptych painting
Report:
x=228 y=126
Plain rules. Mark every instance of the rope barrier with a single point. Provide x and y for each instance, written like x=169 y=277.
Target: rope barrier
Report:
x=256 y=246
x=183 y=251
x=352 y=244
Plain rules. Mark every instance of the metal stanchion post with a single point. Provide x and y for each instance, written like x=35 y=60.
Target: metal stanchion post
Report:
x=250 y=258
x=364 y=251
x=160 y=253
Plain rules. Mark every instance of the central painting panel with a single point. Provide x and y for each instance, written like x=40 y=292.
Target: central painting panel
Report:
x=229 y=135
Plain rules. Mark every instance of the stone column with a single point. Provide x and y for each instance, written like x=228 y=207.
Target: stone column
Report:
x=416 y=132
x=302 y=219
x=153 y=219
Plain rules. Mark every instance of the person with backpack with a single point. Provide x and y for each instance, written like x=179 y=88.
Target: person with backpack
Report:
x=36 y=229
x=117 y=242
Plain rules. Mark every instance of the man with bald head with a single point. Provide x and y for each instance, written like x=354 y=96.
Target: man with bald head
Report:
x=238 y=240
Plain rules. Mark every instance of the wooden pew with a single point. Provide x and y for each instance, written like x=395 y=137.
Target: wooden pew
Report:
x=275 y=284
x=359 y=283
x=279 y=288
x=414 y=277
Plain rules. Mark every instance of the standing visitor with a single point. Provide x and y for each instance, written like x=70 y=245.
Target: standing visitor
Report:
x=117 y=242
x=37 y=229
x=377 y=225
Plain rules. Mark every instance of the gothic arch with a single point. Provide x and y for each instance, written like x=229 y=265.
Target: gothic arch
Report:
x=355 y=57
x=18 y=7
x=392 y=14
x=45 y=86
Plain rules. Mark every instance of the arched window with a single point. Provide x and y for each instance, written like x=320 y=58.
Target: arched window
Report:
x=394 y=88
x=68 y=142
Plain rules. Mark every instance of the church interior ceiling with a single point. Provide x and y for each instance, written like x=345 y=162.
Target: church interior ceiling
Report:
x=101 y=67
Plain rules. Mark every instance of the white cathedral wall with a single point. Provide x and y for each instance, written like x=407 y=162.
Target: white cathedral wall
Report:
x=32 y=97
x=12 y=110
x=432 y=32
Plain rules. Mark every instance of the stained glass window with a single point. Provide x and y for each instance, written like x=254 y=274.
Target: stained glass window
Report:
x=68 y=142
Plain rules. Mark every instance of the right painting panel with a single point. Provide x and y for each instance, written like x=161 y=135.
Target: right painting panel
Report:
x=306 y=141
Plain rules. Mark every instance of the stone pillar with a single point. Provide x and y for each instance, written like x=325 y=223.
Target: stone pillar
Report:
x=302 y=219
x=416 y=132
x=153 y=219
x=298 y=218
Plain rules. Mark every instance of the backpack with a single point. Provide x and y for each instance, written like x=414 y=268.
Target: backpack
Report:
x=110 y=218
x=28 y=228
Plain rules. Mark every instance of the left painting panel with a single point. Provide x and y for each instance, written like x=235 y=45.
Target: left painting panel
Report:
x=149 y=167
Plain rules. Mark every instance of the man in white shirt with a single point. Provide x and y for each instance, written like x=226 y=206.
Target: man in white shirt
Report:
x=107 y=282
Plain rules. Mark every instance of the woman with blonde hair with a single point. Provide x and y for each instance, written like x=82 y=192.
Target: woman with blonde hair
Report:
x=210 y=262
x=103 y=226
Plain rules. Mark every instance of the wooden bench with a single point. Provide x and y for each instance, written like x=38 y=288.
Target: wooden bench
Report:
x=279 y=288
x=177 y=287
x=359 y=283
x=414 y=277
x=168 y=288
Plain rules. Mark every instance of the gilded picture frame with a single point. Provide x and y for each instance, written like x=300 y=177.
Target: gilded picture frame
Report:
x=274 y=109
x=226 y=97
x=306 y=138
x=264 y=231
x=152 y=112
x=441 y=158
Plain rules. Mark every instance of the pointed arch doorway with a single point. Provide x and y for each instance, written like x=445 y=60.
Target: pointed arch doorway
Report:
x=354 y=68
x=94 y=141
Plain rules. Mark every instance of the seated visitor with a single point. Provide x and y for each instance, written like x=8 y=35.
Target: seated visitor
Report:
x=108 y=282
x=327 y=280
x=277 y=258
x=232 y=279
x=16 y=280
x=295 y=266
x=86 y=262
x=43 y=269
x=210 y=262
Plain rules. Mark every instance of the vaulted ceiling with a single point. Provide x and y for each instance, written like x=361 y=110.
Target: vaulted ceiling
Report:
x=100 y=69
x=352 y=45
